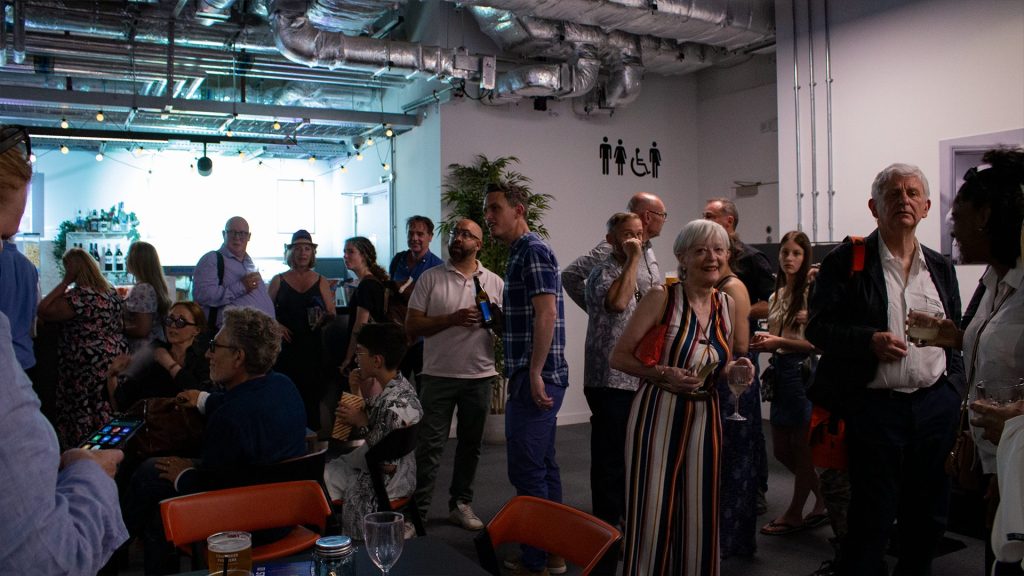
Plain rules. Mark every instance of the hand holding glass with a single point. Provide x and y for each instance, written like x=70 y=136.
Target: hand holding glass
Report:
x=923 y=325
x=385 y=535
x=740 y=375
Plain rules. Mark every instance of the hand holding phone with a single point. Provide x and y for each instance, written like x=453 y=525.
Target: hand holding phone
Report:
x=113 y=434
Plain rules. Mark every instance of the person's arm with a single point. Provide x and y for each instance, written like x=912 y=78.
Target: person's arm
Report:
x=207 y=291
x=827 y=325
x=574 y=276
x=327 y=296
x=54 y=307
x=275 y=285
x=741 y=313
x=545 y=314
x=624 y=287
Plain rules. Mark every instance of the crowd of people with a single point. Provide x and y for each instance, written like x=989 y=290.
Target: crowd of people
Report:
x=671 y=377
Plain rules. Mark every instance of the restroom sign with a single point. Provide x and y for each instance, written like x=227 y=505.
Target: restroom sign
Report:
x=617 y=158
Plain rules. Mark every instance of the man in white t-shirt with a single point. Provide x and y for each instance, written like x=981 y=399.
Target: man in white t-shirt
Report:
x=444 y=311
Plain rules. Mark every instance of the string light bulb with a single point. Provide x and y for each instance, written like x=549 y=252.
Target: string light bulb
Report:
x=64 y=123
x=344 y=168
x=359 y=156
x=386 y=166
x=369 y=141
x=388 y=131
x=231 y=133
x=99 y=156
x=277 y=125
x=241 y=153
x=312 y=159
x=32 y=157
x=64 y=149
x=100 y=116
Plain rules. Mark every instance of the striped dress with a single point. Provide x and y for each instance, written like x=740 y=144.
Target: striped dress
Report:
x=672 y=455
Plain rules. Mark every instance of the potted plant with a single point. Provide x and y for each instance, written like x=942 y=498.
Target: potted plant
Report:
x=464 y=191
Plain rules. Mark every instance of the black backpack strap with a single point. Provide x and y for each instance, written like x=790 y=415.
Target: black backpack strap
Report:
x=214 y=310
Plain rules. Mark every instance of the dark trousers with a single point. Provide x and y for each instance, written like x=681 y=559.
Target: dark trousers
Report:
x=609 y=419
x=530 y=435
x=898 y=444
x=440 y=397
x=141 y=511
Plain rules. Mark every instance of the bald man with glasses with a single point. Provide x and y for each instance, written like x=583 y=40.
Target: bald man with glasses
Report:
x=228 y=276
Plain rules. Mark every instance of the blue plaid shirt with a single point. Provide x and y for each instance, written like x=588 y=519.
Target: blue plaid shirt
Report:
x=532 y=270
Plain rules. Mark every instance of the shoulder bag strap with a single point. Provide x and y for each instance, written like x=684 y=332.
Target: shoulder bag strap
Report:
x=215 y=310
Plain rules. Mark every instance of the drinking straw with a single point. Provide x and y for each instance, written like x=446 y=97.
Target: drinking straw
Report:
x=225 y=571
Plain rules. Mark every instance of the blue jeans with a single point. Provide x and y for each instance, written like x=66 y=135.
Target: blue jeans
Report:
x=530 y=435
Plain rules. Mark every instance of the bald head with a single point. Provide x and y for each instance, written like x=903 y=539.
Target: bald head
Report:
x=651 y=211
x=236 y=235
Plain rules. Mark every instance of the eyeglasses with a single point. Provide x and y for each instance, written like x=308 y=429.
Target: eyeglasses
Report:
x=664 y=215
x=237 y=233
x=462 y=233
x=214 y=345
x=11 y=136
x=177 y=322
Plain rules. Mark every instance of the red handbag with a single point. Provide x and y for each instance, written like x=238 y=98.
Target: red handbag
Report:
x=650 y=348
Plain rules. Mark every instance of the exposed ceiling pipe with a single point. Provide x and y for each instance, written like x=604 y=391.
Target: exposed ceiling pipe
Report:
x=812 y=84
x=725 y=23
x=19 y=31
x=209 y=12
x=348 y=16
x=796 y=122
x=3 y=33
x=828 y=116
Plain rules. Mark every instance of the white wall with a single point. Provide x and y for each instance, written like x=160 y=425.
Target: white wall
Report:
x=418 y=175
x=560 y=152
x=907 y=74
x=738 y=141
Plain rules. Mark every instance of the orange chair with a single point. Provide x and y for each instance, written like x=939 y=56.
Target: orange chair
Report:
x=555 y=528
x=189 y=520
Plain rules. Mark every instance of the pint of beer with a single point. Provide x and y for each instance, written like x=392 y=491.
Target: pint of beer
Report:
x=229 y=554
x=341 y=430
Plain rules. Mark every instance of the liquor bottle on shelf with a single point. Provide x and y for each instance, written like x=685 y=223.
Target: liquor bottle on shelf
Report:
x=94 y=251
x=119 y=260
x=108 y=260
x=483 y=302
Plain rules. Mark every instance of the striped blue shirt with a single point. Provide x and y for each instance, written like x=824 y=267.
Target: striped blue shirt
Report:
x=532 y=270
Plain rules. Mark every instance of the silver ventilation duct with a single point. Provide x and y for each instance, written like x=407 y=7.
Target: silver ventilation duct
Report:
x=209 y=12
x=348 y=16
x=726 y=23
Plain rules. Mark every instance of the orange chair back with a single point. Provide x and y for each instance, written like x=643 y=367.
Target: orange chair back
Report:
x=192 y=518
x=556 y=528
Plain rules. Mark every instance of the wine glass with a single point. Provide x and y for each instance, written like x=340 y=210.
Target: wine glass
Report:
x=739 y=381
x=1000 y=391
x=313 y=316
x=385 y=535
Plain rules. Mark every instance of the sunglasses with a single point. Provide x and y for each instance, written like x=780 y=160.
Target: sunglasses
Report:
x=177 y=322
x=12 y=136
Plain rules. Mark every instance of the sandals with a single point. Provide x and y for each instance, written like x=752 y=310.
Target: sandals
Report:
x=775 y=528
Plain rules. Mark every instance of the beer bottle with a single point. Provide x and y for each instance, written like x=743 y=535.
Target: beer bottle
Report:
x=483 y=302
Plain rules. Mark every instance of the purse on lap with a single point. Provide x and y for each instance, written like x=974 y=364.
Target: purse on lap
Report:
x=170 y=428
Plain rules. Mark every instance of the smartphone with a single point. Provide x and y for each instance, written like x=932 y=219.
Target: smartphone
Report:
x=113 y=434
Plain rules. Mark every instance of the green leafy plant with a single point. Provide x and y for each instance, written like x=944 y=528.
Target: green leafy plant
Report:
x=464 y=192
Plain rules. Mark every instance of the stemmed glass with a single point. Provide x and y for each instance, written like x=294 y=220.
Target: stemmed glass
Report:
x=739 y=381
x=1000 y=391
x=385 y=535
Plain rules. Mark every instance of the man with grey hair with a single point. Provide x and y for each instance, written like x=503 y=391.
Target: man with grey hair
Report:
x=899 y=401
x=613 y=292
x=651 y=211
x=228 y=277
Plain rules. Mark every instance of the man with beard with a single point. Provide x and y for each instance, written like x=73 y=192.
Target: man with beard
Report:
x=405 y=270
x=444 y=312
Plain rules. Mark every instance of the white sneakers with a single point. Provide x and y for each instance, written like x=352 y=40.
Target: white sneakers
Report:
x=463 y=515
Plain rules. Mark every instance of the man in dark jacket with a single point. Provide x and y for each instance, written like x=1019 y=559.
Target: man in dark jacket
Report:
x=899 y=400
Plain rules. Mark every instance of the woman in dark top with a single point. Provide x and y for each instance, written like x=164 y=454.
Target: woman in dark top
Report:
x=303 y=302
x=367 y=303
x=164 y=368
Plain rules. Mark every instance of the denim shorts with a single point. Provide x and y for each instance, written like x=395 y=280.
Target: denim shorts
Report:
x=790 y=406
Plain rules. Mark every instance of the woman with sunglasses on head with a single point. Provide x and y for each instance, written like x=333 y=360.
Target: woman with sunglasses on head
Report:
x=303 y=304
x=149 y=298
x=168 y=366
x=91 y=315
x=60 y=511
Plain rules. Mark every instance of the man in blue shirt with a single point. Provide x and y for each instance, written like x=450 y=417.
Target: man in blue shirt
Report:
x=405 y=269
x=19 y=297
x=236 y=282
x=534 y=338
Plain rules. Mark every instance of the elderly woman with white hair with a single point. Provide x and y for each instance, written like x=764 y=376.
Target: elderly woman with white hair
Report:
x=674 y=438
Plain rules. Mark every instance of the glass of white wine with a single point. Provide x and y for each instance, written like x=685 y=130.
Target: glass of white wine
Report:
x=385 y=535
x=740 y=376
